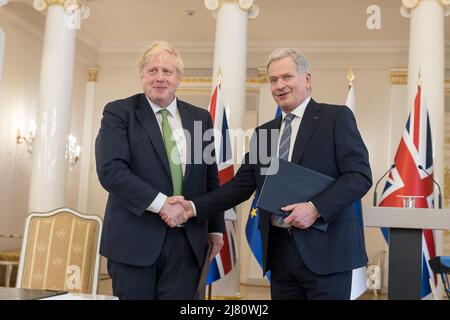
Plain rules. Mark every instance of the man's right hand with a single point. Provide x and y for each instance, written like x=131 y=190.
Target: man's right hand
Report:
x=173 y=213
x=186 y=204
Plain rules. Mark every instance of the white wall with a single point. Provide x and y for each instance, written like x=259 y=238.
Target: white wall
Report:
x=18 y=105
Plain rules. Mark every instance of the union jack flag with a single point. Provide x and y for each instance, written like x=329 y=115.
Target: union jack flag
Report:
x=225 y=260
x=406 y=179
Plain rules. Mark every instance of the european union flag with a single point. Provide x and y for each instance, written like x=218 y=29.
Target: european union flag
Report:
x=252 y=232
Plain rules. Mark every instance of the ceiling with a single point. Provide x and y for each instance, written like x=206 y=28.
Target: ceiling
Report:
x=132 y=22
x=280 y=20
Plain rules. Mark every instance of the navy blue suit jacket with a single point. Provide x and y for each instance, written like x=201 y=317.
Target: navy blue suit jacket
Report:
x=132 y=166
x=329 y=142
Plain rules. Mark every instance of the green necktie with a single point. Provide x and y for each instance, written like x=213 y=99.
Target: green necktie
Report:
x=172 y=155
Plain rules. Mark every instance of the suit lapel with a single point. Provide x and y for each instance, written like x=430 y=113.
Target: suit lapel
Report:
x=187 y=121
x=308 y=125
x=147 y=118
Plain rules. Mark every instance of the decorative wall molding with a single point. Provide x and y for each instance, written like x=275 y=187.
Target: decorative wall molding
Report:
x=93 y=74
x=203 y=85
x=267 y=47
x=208 y=80
x=399 y=76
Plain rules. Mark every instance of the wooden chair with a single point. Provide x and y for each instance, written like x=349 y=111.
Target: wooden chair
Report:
x=9 y=258
x=60 y=251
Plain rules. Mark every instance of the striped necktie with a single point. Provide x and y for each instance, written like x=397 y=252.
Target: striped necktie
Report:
x=285 y=141
x=283 y=153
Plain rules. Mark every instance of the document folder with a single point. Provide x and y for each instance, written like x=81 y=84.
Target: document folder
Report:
x=288 y=183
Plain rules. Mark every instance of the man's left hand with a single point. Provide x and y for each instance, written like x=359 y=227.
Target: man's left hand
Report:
x=303 y=215
x=217 y=242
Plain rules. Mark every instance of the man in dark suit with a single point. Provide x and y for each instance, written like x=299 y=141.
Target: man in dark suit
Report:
x=305 y=263
x=144 y=155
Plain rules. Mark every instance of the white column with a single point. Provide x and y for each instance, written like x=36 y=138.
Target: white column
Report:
x=230 y=56
x=49 y=169
x=398 y=115
x=85 y=159
x=426 y=53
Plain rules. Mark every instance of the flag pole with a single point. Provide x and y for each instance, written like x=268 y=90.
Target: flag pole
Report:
x=219 y=78
x=209 y=291
x=419 y=82
x=219 y=84
x=350 y=78
x=433 y=290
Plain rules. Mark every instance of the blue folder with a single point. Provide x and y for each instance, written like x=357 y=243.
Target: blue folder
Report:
x=287 y=183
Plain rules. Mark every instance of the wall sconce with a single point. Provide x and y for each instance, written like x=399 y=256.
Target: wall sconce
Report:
x=28 y=138
x=73 y=150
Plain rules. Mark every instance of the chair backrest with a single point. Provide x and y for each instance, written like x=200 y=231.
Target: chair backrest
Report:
x=60 y=251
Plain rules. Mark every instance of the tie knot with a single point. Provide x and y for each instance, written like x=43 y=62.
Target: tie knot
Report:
x=288 y=118
x=164 y=113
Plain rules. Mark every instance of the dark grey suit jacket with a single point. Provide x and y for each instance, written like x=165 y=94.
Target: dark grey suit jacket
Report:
x=132 y=166
x=329 y=142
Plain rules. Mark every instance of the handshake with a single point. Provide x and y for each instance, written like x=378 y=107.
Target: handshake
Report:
x=176 y=211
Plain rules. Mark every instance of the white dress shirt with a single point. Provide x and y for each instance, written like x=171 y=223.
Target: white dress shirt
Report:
x=295 y=125
x=176 y=125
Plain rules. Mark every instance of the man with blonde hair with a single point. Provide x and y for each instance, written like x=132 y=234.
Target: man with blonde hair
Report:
x=142 y=162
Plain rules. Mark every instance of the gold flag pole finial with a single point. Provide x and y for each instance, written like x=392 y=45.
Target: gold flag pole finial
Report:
x=350 y=77
x=219 y=78
x=420 y=80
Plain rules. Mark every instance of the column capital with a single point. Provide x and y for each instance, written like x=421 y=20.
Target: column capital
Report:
x=399 y=76
x=409 y=5
x=262 y=74
x=93 y=74
x=77 y=10
x=245 y=5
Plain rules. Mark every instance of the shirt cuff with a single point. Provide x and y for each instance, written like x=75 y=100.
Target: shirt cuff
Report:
x=194 y=210
x=217 y=233
x=157 y=203
x=315 y=208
